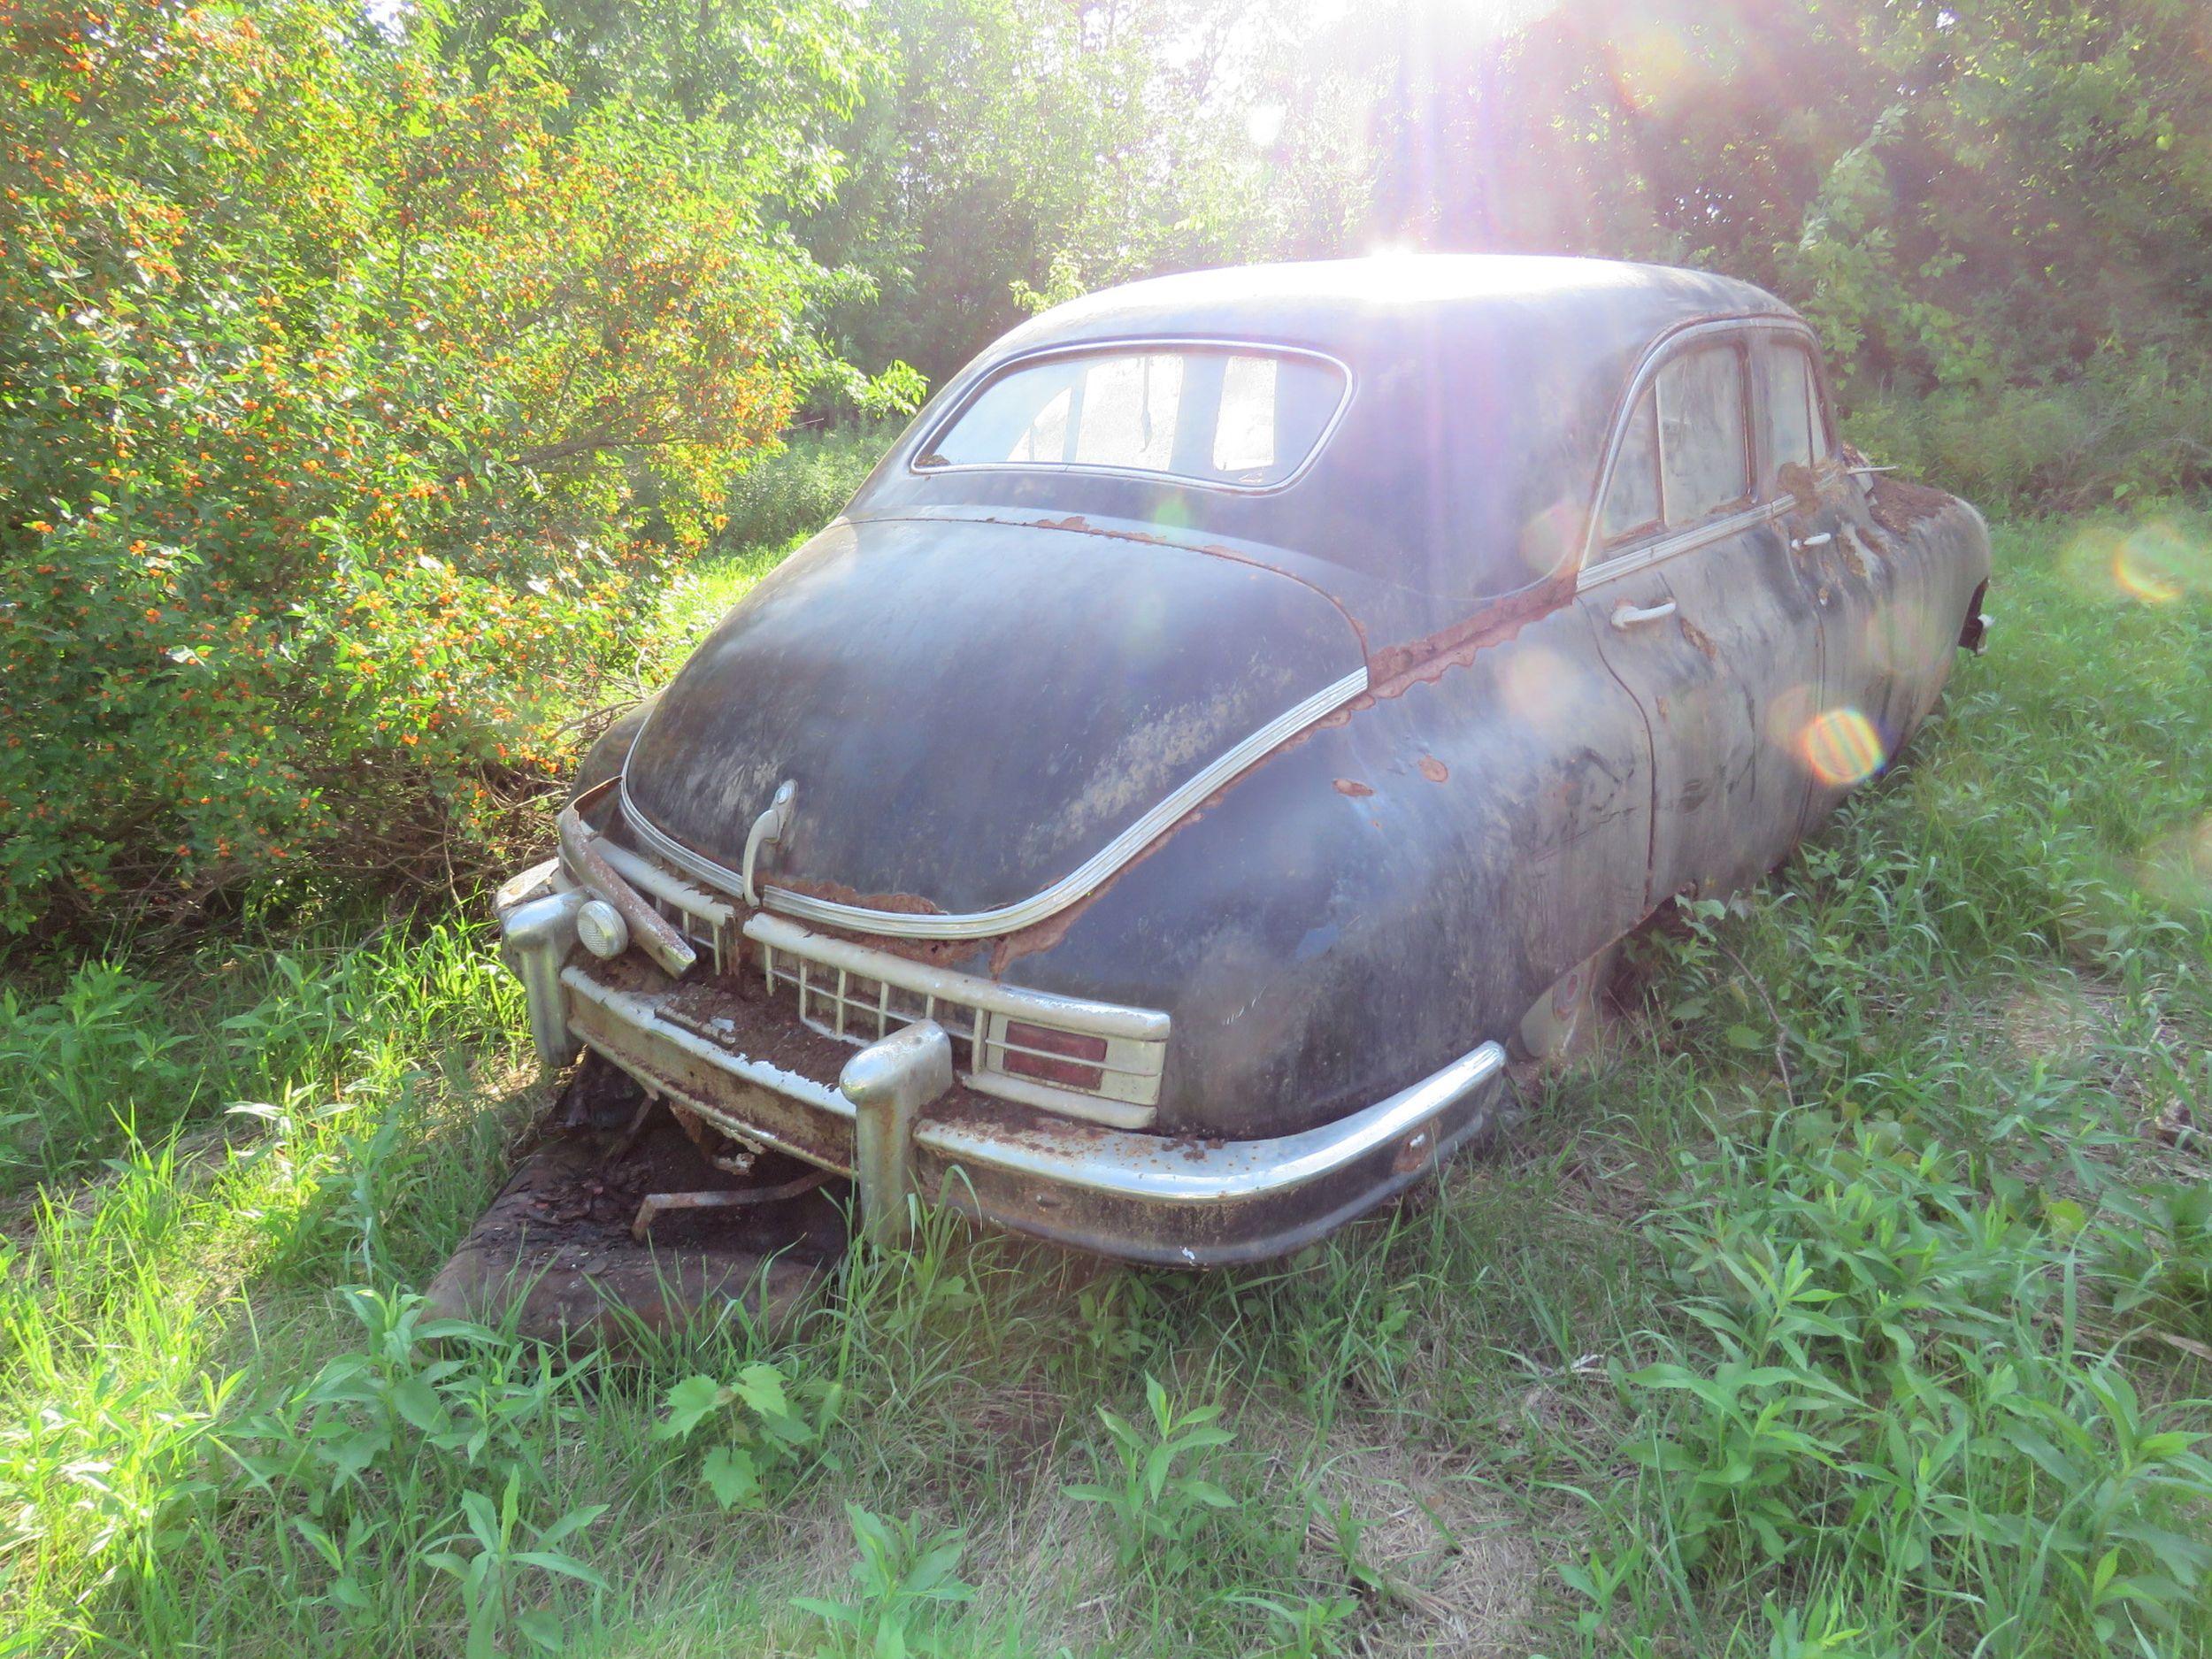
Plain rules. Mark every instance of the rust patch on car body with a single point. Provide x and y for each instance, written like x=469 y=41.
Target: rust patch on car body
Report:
x=1898 y=505
x=937 y=953
x=1699 y=637
x=1434 y=770
x=1396 y=669
x=838 y=892
x=1803 y=485
x=1354 y=788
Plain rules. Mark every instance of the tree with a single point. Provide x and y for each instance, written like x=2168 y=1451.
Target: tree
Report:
x=344 y=403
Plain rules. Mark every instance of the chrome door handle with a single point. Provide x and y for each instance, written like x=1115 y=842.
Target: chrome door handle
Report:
x=1626 y=617
x=1821 y=540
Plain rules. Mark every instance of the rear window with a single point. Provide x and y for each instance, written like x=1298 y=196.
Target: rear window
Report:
x=1242 y=419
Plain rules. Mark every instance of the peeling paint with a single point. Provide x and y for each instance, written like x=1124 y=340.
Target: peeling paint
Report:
x=1898 y=505
x=1395 y=670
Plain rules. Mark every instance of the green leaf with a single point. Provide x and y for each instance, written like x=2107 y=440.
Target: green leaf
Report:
x=542 y=1627
x=730 y=1475
x=418 y=1402
x=1744 y=1037
x=575 y=1520
x=688 y=1402
x=836 y=1612
x=567 y=1566
x=761 y=1387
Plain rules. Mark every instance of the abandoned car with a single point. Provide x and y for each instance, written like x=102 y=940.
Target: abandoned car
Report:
x=1238 y=714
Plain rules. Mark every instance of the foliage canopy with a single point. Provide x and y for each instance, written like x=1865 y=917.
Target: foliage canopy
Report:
x=348 y=402
x=360 y=381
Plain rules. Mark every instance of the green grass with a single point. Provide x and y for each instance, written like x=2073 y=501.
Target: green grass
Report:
x=1847 y=1301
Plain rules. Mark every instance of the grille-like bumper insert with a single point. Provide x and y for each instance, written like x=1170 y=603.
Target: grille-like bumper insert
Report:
x=861 y=995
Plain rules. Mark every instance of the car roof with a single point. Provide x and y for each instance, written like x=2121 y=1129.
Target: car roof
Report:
x=1340 y=304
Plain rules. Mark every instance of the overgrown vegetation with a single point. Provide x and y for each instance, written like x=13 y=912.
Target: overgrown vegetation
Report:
x=386 y=395
x=365 y=375
x=351 y=404
x=1853 y=1299
x=796 y=492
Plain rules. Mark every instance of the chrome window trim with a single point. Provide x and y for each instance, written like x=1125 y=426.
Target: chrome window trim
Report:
x=1596 y=565
x=1688 y=540
x=998 y=371
x=1077 y=884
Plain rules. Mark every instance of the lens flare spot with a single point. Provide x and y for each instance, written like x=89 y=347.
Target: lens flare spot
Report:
x=2179 y=867
x=1655 y=69
x=1791 y=711
x=2157 y=566
x=1841 y=747
x=1550 y=535
x=1541 y=686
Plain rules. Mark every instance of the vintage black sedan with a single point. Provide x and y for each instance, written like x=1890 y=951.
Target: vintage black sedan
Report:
x=1239 y=712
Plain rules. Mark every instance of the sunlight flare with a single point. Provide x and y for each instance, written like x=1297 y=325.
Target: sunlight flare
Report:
x=1841 y=747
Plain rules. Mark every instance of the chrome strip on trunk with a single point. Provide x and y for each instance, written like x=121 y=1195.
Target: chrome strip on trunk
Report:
x=1077 y=884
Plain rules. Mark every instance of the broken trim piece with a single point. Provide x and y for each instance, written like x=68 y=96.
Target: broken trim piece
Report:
x=1077 y=884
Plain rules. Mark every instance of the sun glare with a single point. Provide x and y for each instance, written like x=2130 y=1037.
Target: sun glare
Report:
x=1841 y=747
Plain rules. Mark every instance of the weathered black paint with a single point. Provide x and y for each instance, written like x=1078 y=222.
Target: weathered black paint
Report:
x=976 y=678
x=968 y=712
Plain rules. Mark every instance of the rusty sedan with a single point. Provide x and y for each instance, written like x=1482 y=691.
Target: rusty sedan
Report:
x=1242 y=712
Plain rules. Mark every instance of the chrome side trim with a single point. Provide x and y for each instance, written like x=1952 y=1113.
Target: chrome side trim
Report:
x=998 y=371
x=1686 y=542
x=1077 y=884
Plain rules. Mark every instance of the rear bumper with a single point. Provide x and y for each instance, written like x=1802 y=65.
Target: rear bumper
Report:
x=1174 y=1201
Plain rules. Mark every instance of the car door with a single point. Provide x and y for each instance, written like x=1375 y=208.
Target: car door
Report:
x=1703 y=616
x=1868 y=604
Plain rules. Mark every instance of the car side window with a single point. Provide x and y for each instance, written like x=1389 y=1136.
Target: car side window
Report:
x=1704 y=464
x=1796 y=425
x=1682 y=456
x=1631 y=504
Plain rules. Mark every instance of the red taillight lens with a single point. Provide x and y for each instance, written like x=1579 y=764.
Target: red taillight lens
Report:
x=1054 y=1056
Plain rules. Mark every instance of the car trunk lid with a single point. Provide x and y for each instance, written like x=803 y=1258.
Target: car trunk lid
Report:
x=972 y=711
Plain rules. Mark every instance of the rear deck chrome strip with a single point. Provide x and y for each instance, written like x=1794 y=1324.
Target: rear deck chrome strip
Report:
x=1078 y=883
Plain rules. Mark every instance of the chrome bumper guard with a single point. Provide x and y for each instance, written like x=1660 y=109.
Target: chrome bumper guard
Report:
x=1175 y=1201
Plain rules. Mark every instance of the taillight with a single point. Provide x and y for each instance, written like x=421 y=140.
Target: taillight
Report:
x=1054 y=1056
